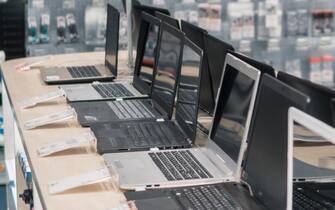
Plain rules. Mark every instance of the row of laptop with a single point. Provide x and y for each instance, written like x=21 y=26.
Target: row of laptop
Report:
x=247 y=162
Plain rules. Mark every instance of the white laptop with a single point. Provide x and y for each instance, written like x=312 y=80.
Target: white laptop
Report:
x=219 y=161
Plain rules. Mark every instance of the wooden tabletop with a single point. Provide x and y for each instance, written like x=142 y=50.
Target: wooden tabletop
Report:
x=23 y=84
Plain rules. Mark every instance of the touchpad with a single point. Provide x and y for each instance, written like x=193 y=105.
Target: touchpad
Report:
x=165 y=203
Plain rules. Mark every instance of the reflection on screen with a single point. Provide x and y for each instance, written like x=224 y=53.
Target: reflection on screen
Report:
x=233 y=108
x=148 y=59
x=112 y=35
x=186 y=110
x=167 y=70
x=314 y=155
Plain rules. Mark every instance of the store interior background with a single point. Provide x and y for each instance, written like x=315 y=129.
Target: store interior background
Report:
x=296 y=36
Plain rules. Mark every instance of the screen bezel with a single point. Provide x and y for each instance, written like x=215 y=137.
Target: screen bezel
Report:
x=168 y=19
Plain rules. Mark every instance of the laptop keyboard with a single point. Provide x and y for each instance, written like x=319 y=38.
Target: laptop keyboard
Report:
x=130 y=109
x=179 y=165
x=303 y=200
x=83 y=71
x=112 y=90
x=208 y=197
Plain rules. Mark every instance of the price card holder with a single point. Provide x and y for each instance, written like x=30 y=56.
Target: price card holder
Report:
x=32 y=63
x=33 y=101
x=92 y=177
x=49 y=119
x=78 y=141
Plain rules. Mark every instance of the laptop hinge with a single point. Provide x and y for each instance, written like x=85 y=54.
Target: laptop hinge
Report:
x=160 y=120
x=154 y=149
x=119 y=99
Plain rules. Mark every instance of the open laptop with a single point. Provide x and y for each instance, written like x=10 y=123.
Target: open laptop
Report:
x=219 y=161
x=272 y=95
x=314 y=190
x=167 y=134
x=321 y=96
x=140 y=87
x=160 y=105
x=106 y=72
x=168 y=19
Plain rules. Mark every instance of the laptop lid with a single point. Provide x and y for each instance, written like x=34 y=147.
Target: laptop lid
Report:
x=196 y=35
x=168 y=19
x=188 y=89
x=324 y=159
x=137 y=9
x=216 y=51
x=167 y=68
x=146 y=53
x=265 y=166
x=234 y=107
x=321 y=96
x=112 y=39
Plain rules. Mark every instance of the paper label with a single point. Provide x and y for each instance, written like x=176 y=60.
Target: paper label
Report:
x=49 y=119
x=68 y=183
x=33 y=62
x=78 y=141
x=52 y=77
x=33 y=101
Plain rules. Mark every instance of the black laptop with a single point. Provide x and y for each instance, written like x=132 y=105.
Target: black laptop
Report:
x=321 y=96
x=160 y=105
x=274 y=96
x=167 y=134
x=168 y=19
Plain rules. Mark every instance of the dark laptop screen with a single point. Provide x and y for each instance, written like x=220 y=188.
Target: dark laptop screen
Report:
x=196 y=35
x=112 y=39
x=148 y=58
x=167 y=69
x=232 y=111
x=266 y=159
x=216 y=51
x=320 y=106
x=188 y=89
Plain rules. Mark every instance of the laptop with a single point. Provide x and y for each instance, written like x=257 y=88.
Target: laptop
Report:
x=167 y=134
x=81 y=74
x=219 y=161
x=160 y=105
x=168 y=19
x=140 y=87
x=320 y=96
x=313 y=191
x=272 y=95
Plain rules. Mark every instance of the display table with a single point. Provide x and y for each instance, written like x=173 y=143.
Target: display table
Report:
x=19 y=85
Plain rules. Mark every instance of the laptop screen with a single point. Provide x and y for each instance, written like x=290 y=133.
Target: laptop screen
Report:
x=112 y=39
x=167 y=69
x=266 y=160
x=188 y=89
x=232 y=111
x=168 y=19
x=148 y=59
x=320 y=96
x=196 y=35
x=216 y=51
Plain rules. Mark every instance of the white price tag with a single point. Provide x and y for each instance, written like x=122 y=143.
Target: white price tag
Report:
x=68 y=183
x=78 y=141
x=129 y=205
x=49 y=119
x=33 y=101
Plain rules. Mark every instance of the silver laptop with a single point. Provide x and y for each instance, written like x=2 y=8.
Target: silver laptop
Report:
x=106 y=72
x=314 y=187
x=219 y=161
x=140 y=87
